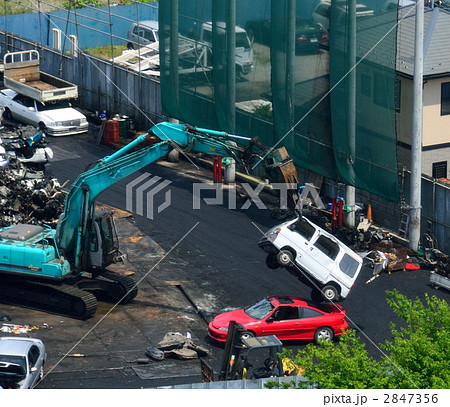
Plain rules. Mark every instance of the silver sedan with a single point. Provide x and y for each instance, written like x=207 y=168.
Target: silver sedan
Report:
x=22 y=362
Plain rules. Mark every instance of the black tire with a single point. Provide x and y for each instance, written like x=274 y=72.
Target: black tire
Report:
x=330 y=293
x=272 y=262
x=316 y=295
x=323 y=333
x=247 y=334
x=130 y=46
x=285 y=258
x=42 y=127
x=7 y=114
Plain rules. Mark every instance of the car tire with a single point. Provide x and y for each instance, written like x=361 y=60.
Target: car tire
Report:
x=316 y=295
x=130 y=46
x=7 y=114
x=272 y=262
x=42 y=127
x=247 y=334
x=323 y=333
x=330 y=293
x=285 y=258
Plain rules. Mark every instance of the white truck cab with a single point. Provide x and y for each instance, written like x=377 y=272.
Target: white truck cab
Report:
x=244 y=48
x=142 y=33
x=315 y=256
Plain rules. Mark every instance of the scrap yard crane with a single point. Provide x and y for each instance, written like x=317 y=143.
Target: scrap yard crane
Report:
x=59 y=270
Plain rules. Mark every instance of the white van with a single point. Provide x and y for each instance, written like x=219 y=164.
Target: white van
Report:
x=315 y=256
x=142 y=33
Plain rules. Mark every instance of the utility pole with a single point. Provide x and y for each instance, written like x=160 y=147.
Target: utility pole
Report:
x=416 y=142
x=351 y=100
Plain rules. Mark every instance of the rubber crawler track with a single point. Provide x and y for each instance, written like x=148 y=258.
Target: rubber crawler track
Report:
x=127 y=284
x=58 y=299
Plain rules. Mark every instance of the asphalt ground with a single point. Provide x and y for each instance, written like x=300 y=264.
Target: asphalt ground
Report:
x=192 y=264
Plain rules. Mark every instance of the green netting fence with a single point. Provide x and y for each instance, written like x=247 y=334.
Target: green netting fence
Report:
x=317 y=77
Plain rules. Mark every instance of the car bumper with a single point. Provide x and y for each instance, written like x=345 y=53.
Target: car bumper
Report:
x=342 y=329
x=267 y=246
x=66 y=131
x=217 y=334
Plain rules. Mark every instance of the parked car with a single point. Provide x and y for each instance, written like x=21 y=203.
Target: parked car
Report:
x=322 y=13
x=22 y=362
x=308 y=35
x=318 y=258
x=57 y=118
x=392 y=5
x=142 y=33
x=286 y=317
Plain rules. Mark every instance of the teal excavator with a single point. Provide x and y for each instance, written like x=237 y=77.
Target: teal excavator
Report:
x=61 y=270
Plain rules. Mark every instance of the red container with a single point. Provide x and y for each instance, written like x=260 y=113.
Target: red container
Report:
x=112 y=132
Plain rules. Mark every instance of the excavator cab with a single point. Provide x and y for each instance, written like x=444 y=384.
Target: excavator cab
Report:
x=103 y=243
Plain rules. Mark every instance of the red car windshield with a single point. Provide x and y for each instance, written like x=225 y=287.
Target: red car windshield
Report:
x=260 y=310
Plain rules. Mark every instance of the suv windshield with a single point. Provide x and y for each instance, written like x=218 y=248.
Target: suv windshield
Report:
x=260 y=310
x=304 y=228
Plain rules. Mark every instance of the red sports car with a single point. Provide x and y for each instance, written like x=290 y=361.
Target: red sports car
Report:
x=288 y=318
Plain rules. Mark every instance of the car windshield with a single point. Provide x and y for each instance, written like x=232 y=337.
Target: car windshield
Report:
x=242 y=40
x=260 y=310
x=57 y=104
x=12 y=365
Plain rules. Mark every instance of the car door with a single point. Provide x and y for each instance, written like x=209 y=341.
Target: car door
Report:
x=322 y=254
x=311 y=320
x=22 y=112
x=284 y=322
x=34 y=366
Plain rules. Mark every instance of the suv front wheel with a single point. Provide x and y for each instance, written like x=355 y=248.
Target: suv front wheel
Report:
x=330 y=293
x=285 y=258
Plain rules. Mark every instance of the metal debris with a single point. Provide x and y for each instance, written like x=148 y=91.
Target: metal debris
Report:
x=180 y=346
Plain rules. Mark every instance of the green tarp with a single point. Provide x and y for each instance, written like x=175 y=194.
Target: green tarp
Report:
x=322 y=83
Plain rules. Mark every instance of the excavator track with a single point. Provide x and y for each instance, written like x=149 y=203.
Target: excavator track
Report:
x=127 y=284
x=113 y=285
x=61 y=299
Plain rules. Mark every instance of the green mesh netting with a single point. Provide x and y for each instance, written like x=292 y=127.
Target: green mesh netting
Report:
x=303 y=74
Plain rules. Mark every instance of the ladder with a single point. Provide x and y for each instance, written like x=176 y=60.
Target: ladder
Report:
x=404 y=225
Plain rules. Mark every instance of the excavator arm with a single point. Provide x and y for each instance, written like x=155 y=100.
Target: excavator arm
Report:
x=80 y=202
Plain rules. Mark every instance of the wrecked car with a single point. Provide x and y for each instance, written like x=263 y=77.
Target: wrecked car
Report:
x=315 y=256
x=22 y=362
x=25 y=148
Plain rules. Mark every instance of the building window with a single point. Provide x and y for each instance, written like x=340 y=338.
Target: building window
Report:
x=445 y=98
x=366 y=85
x=440 y=170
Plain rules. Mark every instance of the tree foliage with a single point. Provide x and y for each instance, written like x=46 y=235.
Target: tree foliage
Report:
x=417 y=357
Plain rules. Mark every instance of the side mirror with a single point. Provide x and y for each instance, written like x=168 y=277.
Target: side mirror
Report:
x=270 y=319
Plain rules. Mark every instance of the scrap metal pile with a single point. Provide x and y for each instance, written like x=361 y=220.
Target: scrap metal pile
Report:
x=28 y=193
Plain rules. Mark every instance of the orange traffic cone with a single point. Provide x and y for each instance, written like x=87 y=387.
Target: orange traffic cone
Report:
x=369 y=213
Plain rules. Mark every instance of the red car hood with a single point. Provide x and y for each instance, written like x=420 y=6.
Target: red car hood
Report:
x=224 y=319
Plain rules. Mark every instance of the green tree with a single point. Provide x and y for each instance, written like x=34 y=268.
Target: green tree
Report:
x=418 y=356
x=421 y=348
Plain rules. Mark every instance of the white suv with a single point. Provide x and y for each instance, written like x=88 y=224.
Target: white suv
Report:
x=315 y=256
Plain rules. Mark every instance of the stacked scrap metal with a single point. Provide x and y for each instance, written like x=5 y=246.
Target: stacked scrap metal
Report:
x=38 y=201
x=28 y=194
